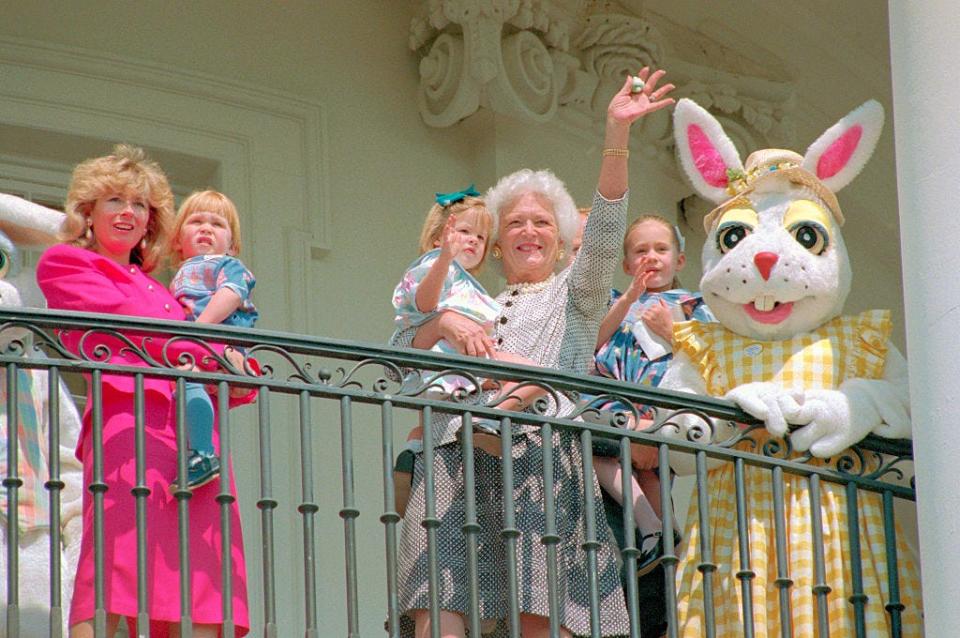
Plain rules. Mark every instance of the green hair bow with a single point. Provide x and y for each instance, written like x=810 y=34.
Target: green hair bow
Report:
x=445 y=199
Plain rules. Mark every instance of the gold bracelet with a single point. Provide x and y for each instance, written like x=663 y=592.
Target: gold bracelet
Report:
x=615 y=152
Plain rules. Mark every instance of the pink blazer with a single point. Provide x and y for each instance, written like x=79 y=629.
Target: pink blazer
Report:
x=73 y=278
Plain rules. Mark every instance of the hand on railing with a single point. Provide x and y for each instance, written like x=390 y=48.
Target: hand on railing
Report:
x=246 y=365
x=240 y=362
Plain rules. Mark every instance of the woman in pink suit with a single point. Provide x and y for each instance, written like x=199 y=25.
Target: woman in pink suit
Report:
x=119 y=211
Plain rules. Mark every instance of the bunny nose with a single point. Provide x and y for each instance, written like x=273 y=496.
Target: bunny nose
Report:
x=765 y=263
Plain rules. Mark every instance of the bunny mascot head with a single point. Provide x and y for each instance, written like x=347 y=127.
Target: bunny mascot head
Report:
x=775 y=264
x=24 y=224
x=776 y=275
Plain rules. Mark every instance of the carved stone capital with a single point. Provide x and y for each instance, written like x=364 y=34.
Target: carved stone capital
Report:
x=507 y=55
x=541 y=60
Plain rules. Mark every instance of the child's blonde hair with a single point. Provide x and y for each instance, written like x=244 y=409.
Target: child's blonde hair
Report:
x=127 y=172
x=676 y=237
x=208 y=201
x=437 y=218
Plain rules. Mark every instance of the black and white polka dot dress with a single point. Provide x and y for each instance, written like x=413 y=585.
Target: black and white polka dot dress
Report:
x=554 y=324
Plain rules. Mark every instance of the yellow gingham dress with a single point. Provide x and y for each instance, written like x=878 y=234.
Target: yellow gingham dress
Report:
x=845 y=348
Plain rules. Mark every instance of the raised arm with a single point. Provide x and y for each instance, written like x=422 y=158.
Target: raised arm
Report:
x=624 y=109
x=428 y=292
x=430 y=289
x=619 y=308
x=591 y=274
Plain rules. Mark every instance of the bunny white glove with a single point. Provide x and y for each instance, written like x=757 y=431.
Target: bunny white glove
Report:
x=769 y=402
x=837 y=419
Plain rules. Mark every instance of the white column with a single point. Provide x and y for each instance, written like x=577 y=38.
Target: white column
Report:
x=924 y=42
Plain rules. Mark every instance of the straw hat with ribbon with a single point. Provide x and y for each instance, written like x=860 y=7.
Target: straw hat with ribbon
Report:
x=768 y=164
x=712 y=162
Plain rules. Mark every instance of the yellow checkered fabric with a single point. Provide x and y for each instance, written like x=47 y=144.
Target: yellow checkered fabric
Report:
x=847 y=347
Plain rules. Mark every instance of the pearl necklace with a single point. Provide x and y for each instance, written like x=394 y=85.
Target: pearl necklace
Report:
x=530 y=287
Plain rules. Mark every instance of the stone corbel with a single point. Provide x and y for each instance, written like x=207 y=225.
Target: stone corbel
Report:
x=754 y=113
x=508 y=55
x=539 y=60
x=609 y=46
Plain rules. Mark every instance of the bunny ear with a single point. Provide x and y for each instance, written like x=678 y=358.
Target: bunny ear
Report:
x=28 y=223
x=706 y=152
x=841 y=153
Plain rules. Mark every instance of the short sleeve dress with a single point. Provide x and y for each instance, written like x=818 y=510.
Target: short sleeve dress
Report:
x=553 y=323
x=622 y=357
x=848 y=347
x=461 y=293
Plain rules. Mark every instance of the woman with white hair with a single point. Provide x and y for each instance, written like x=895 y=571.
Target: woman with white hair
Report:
x=551 y=318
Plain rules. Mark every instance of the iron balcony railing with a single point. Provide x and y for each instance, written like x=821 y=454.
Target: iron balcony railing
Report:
x=310 y=390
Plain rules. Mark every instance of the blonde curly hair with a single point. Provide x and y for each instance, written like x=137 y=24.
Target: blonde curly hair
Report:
x=128 y=172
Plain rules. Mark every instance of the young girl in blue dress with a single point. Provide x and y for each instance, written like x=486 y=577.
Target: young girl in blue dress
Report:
x=213 y=286
x=635 y=344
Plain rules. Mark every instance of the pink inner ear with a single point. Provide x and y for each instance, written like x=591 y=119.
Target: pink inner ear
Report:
x=836 y=157
x=706 y=157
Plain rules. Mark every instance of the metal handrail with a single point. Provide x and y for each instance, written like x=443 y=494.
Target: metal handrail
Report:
x=402 y=357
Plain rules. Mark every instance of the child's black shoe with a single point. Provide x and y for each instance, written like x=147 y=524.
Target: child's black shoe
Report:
x=202 y=468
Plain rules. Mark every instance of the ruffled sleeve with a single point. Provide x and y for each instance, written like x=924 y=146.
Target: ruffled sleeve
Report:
x=693 y=339
x=868 y=358
x=407 y=315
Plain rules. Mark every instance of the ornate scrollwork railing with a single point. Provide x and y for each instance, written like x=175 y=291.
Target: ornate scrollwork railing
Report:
x=372 y=373
x=339 y=374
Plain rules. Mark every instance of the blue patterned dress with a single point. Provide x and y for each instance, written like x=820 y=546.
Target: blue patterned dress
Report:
x=200 y=277
x=622 y=358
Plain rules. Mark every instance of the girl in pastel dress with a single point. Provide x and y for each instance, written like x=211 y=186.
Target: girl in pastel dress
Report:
x=213 y=286
x=453 y=243
x=635 y=344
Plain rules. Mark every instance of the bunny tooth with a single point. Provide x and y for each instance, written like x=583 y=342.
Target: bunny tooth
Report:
x=764 y=303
